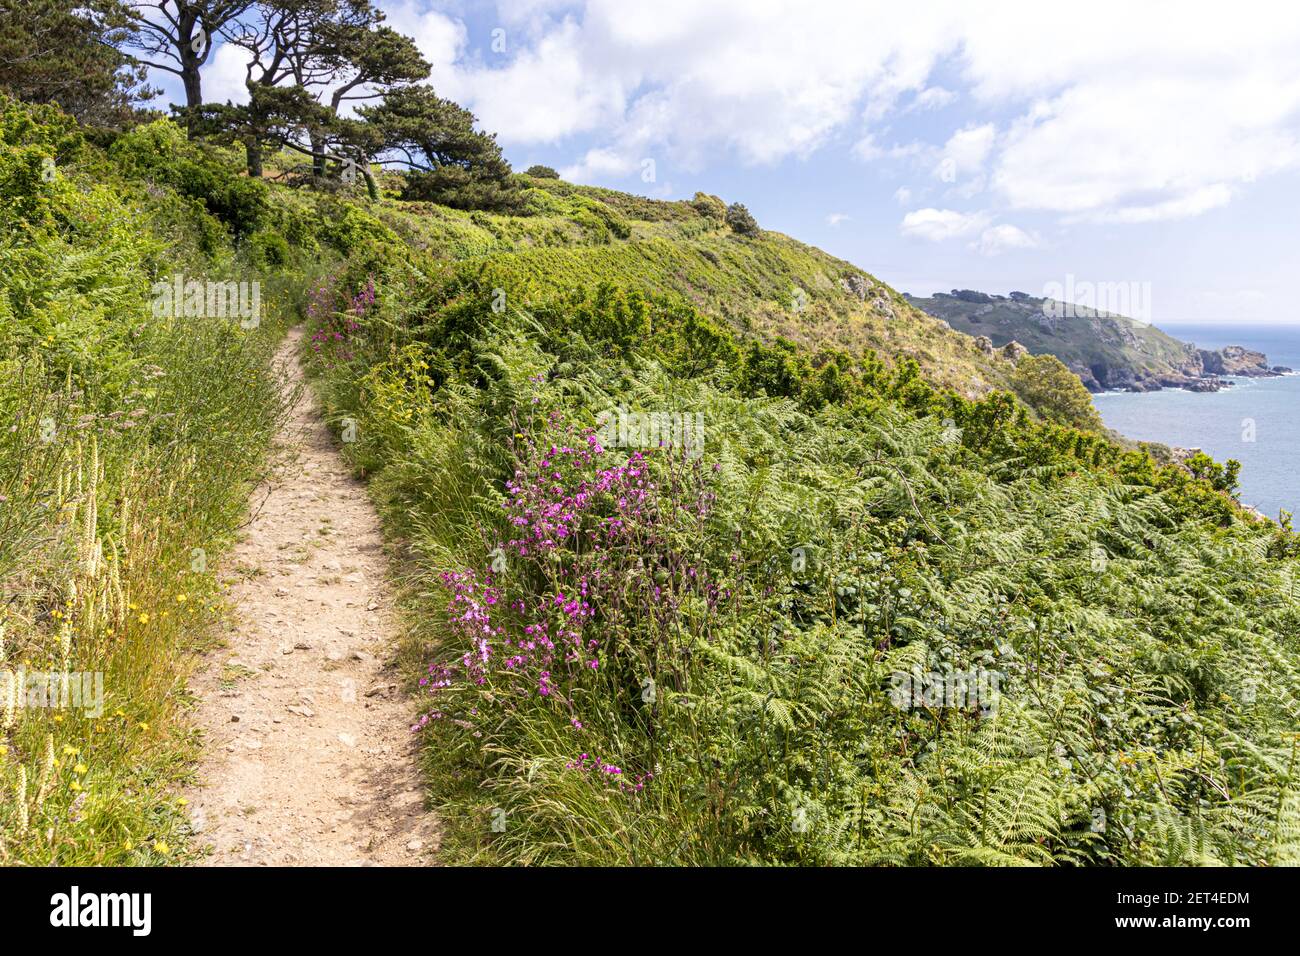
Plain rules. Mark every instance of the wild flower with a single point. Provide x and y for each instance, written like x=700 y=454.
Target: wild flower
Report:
x=333 y=328
x=589 y=541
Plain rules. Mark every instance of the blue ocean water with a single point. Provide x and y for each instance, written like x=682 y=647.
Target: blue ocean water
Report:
x=1220 y=423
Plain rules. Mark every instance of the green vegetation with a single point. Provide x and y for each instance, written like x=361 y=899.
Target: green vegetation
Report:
x=744 y=647
x=717 y=550
x=130 y=442
x=740 y=221
x=64 y=52
x=1046 y=384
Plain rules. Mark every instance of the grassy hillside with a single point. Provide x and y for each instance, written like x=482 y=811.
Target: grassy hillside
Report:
x=768 y=285
x=690 y=574
x=1107 y=351
x=732 y=636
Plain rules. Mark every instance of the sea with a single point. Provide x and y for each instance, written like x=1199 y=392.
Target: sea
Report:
x=1256 y=420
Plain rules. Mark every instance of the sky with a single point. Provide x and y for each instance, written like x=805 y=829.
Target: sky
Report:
x=995 y=146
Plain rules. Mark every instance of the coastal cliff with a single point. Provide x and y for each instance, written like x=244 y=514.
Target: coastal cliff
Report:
x=1107 y=351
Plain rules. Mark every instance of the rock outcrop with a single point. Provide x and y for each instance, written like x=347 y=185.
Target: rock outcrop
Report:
x=856 y=285
x=1013 y=351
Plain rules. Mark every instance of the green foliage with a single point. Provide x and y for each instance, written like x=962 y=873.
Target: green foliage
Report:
x=1142 y=628
x=453 y=163
x=269 y=250
x=710 y=207
x=127 y=441
x=1221 y=477
x=1055 y=392
x=740 y=221
x=160 y=151
x=65 y=52
x=541 y=172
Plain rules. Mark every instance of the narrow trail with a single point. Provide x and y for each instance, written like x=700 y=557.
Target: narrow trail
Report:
x=308 y=756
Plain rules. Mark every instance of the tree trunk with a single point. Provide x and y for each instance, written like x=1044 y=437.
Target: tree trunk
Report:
x=193 y=98
x=253 y=149
x=318 y=157
x=187 y=30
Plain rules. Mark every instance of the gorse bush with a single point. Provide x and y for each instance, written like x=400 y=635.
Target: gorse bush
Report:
x=1046 y=384
x=161 y=152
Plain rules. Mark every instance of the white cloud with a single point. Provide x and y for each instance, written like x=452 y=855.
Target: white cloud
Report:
x=932 y=98
x=440 y=38
x=903 y=195
x=761 y=81
x=964 y=154
x=546 y=92
x=1182 y=207
x=597 y=163
x=224 y=74
x=940 y=224
x=997 y=239
x=866 y=149
x=1128 y=113
x=835 y=218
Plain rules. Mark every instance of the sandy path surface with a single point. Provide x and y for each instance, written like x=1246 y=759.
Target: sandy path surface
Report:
x=308 y=757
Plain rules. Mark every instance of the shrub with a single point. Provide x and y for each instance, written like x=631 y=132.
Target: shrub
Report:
x=710 y=207
x=740 y=221
x=541 y=172
x=1055 y=392
x=268 y=248
x=462 y=189
x=161 y=151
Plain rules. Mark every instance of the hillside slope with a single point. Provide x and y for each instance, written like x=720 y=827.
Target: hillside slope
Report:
x=767 y=285
x=1105 y=350
x=676 y=587
x=681 y=593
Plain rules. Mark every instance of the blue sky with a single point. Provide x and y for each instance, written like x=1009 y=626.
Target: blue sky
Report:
x=937 y=145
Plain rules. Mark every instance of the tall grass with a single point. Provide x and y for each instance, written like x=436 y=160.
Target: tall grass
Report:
x=129 y=444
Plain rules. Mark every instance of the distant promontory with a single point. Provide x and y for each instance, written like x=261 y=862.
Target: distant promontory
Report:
x=1107 y=351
